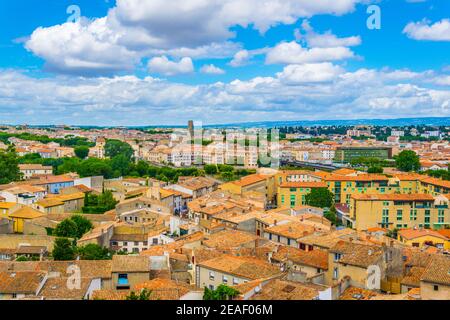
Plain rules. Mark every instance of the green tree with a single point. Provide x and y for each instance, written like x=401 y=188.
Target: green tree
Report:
x=121 y=163
x=66 y=228
x=95 y=167
x=320 y=197
x=9 y=166
x=407 y=160
x=375 y=169
x=116 y=147
x=81 y=152
x=93 y=251
x=211 y=169
x=63 y=250
x=142 y=168
x=223 y=292
x=143 y=295
x=331 y=215
x=83 y=225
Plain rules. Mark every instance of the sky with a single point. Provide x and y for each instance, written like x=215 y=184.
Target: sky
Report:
x=150 y=62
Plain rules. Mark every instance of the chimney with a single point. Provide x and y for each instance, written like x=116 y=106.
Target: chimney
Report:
x=275 y=222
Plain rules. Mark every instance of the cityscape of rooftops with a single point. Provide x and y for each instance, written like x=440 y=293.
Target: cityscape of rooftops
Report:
x=269 y=151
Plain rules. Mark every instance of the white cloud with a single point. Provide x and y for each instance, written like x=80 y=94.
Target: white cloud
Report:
x=164 y=66
x=294 y=53
x=310 y=73
x=439 y=31
x=316 y=91
x=241 y=58
x=134 y=29
x=82 y=48
x=325 y=40
x=211 y=69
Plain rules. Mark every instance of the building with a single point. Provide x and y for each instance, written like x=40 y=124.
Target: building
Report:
x=347 y=154
x=232 y=270
x=423 y=237
x=397 y=211
x=29 y=170
x=292 y=194
x=435 y=281
x=24 y=213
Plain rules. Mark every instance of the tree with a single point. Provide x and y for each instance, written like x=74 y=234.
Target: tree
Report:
x=331 y=215
x=116 y=147
x=99 y=204
x=319 y=197
x=121 y=163
x=93 y=251
x=223 y=292
x=142 y=168
x=83 y=225
x=95 y=167
x=143 y=295
x=73 y=227
x=63 y=250
x=81 y=152
x=375 y=169
x=66 y=228
x=9 y=166
x=211 y=169
x=407 y=160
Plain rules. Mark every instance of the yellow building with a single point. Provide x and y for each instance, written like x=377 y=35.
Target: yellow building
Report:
x=264 y=184
x=420 y=237
x=343 y=187
x=6 y=208
x=399 y=211
x=292 y=194
x=24 y=213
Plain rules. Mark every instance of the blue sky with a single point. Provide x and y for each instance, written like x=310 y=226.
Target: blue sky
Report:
x=138 y=62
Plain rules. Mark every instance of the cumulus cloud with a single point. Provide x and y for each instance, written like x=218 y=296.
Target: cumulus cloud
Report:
x=310 y=73
x=164 y=66
x=423 y=30
x=293 y=53
x=83 y=47
x=135 y=29
x=241 y=58
x=325 y=40
x=311 y=91
x=211 y=69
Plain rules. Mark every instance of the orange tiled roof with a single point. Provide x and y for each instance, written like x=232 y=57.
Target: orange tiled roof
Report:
x=303 y=184
x=413 y=234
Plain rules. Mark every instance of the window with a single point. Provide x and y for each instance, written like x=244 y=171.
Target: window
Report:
x=211 y=275
x=122 y=279
x=224 y=279
x=211 y=287
x=155 y=240
x=282 y=198
x=399 y=215
x=413 y=215
x=335 y=273
x=441 y=215
x=293 y=200
x=436 y=288
x=289 y=242
x=427 y=219
x=235 y=281
x=337 y=256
